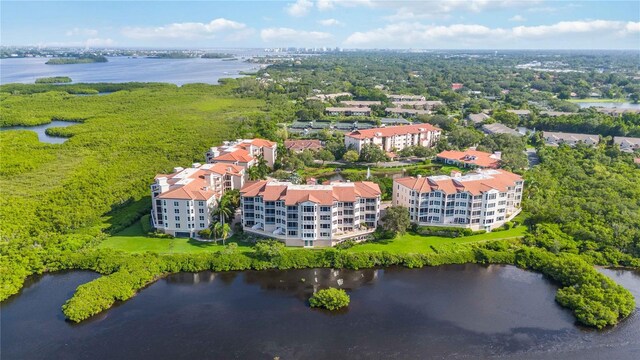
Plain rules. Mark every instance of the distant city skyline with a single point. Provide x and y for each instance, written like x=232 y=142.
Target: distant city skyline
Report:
x=352 y=24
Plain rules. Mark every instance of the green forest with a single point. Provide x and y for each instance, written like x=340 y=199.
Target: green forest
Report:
x=60 y=201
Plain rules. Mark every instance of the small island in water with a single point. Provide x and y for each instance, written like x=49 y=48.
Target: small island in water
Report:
x=54 y=80
x=83 y=59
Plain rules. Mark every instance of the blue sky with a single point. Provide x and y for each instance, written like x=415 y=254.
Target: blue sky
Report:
x=454 y=24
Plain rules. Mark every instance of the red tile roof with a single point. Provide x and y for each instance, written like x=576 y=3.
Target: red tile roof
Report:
x=474 y=183
x=320 y=194
x=298 y=145
x=471 y=157
x=392 y=131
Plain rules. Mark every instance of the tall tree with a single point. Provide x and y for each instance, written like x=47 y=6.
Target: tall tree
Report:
x=396 y=220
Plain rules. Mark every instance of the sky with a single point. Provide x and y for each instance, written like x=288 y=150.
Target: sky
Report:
x=365 y=24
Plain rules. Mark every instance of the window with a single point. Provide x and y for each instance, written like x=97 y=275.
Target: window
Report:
x=177 y=218
x=177 y=226
x=292 y=233
x=176 y=211
x=175 y=203
x=325 y=208
x=201 y=211
x=491 y=196
x=309 y=226
x=201 y=218
x=308 y=208
x=325 y=226
x=325 y=217
x=201 y=203
x=201 y=225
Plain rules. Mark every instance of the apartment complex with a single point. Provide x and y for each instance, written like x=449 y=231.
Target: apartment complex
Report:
x=627 y=144
x=301 y=145
x=570 y=139
x=348 y=111
x=471 y=158
x=481 y=200
x=396 y=97
x=183 y=201
x=310 y=215
x=243 y=152
x=394 y=138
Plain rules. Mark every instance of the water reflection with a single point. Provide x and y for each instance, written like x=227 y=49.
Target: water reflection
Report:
x=41 y=131
x=457 y=311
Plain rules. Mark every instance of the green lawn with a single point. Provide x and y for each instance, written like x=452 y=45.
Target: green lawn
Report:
x=411 y=243
x=133 y=240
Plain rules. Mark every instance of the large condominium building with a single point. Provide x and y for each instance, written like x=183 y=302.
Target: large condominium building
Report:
x=182 y=202
x=310 y=215
x=484 y=199
x=398 y=97
x=243 y=152
x=394 y=138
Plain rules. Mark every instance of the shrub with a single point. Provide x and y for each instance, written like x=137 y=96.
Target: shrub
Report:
x=444 y=231
x=330 y=299
x=346 y=244
x=145 y=222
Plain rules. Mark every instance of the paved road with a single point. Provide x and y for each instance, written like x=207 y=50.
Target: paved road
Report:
x=532 y=157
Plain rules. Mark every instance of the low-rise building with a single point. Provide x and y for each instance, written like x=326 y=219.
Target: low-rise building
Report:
x=359 y=103
x=477 y=119
x=396 y=97
x=348 y=111
x=627 y=144
x=571 y=139
x=301 y=145
x=556 y=113
x=310 y=215
x=497 y=128
x=522 y=114
x=243 y=152
x=406 y=112
x=394 y=138
x=471 y=158
x=325 y=97
x=418 y=104
x=183 y=201
x=482 y=200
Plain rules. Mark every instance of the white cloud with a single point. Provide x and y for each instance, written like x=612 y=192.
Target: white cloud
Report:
x=189 y=30
x=332 y=4
x=88 y=43
x=416 y=34
x=329 y=22
x=299 y=8
x=288 y=36
x=568 y=27
x=98 y=42
x=517 y=18
x=82 y=32
x=414 y=10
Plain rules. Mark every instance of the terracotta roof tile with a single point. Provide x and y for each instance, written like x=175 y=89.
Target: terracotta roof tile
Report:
x=471 y=157
x=474 y=183
x=392 y=130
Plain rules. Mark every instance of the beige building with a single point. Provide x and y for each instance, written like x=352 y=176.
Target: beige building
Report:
x=243 y=152
x=183 y=201
x=627 y=144
x=310 y=215
x=360 y=104
x=348 y=111
x=481 y=200
x=394 y=138
x=396 y=97
x=570 y=139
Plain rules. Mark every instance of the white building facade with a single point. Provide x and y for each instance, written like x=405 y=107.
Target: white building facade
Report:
x=243 y=152
x=310 y=215
x=394 y=138
x=482 y=200
x=183 y=202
